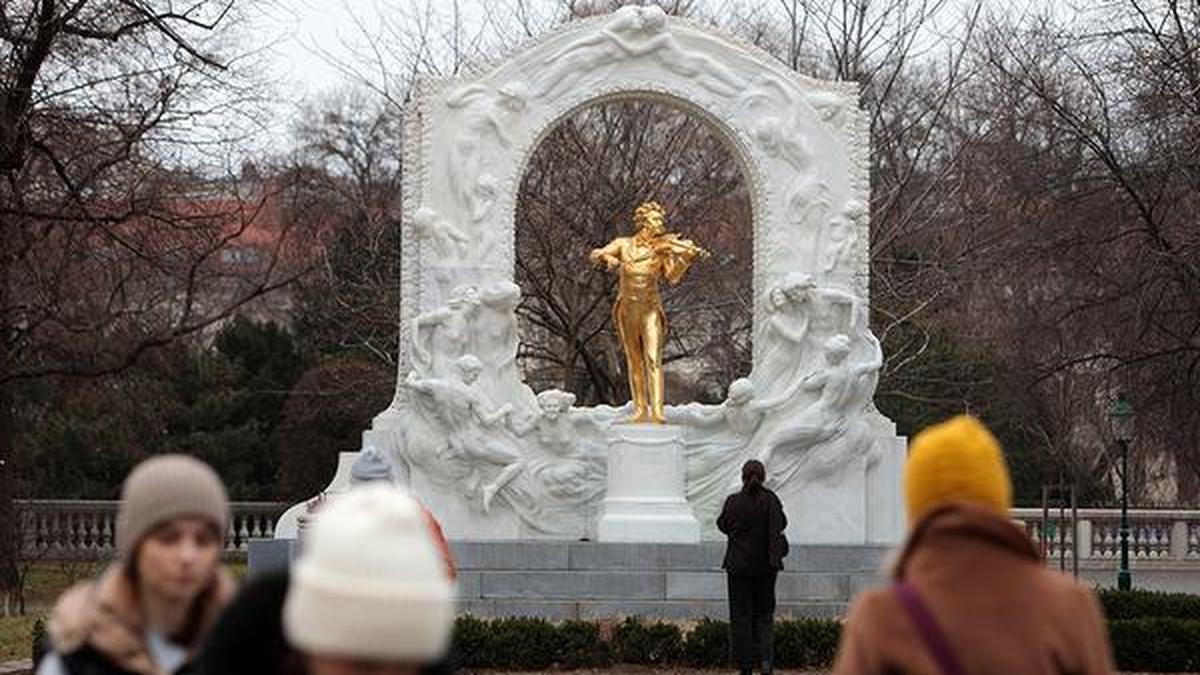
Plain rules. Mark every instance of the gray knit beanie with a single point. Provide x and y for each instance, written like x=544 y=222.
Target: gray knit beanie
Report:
x=166 y=487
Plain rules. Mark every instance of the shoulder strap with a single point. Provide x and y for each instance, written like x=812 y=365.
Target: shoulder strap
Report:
x=931 y=634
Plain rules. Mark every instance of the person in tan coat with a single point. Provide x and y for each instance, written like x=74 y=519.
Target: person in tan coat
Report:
x=970 y=592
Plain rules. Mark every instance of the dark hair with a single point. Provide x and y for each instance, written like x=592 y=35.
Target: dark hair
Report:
x=754 y=474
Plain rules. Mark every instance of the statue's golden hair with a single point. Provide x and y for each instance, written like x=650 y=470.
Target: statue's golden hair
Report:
x=640 y=213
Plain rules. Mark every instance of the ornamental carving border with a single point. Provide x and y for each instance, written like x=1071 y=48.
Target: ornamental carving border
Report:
x=803 y=144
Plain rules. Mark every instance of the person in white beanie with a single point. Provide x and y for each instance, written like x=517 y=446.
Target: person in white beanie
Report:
x=370 y=593
x=150 y=610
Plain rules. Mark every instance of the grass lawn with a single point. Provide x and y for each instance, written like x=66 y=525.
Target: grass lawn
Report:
x=15 y=635
x=44 y=581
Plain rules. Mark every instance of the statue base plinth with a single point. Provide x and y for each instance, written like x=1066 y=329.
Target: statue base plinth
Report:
x=645 y=499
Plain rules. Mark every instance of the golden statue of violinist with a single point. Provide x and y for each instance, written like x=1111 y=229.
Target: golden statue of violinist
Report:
x=649 y=254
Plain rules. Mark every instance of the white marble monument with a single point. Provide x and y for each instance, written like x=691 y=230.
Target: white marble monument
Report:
x=493 y=459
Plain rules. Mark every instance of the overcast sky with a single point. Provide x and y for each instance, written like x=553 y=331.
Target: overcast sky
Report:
x=306 y=37
x=304 y=28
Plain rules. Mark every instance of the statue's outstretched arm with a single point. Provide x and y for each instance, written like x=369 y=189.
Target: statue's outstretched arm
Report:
x=582 y=43
x=876 y=360
x=433 y=318
x=811 y=382
x=491 y=419
x=609 y=254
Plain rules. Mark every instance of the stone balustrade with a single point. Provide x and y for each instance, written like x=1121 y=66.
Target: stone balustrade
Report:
x=85 y=529
x=60 y=529
x=1154 y=535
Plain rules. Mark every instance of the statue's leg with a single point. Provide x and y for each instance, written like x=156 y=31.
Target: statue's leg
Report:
x=630 y=334
x=653 y=332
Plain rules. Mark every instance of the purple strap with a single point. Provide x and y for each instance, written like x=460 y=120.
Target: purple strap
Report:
x=931 y=634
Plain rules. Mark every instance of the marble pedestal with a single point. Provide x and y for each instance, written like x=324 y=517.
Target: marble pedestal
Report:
x=645 y=499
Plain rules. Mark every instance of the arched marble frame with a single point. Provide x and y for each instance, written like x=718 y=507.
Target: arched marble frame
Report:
x=772 y=123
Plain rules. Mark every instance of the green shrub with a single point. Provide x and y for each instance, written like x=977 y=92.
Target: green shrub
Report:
x=471 y=644
x=579 y=645
x=647 y=643
x=1156 y=644
x=707 y=644
x=802 y=643
x=523 y=644
x=1153 y=644
x=1119 y=605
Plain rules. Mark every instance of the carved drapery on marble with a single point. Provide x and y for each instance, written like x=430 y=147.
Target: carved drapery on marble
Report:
x=496 y=461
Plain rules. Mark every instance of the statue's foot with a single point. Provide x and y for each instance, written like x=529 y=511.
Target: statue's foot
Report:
x=640 y=416
x=657 y=417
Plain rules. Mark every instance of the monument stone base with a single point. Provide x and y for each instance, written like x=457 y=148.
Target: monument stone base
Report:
x=645 y=499
x=559 y=580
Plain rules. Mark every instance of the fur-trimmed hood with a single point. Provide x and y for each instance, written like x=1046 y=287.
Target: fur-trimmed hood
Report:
x=105 y=615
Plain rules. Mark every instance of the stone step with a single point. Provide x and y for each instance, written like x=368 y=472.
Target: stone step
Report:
x=636 y=585
x=589 y=580
x=538 y=555
x=675 y=610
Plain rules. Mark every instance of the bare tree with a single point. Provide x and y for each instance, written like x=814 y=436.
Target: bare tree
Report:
x=111 y=243
x=580 y=190
x=347 y=184
x=1120 y=90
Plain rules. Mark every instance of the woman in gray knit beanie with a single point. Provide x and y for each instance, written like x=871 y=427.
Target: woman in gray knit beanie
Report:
x=148 y=612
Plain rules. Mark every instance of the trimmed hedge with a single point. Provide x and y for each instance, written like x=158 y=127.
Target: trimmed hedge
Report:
x=1147 y=644
x=707 y=644
x=1122 y=605
x=537 y=644
x=806 y=643
x=650 y=644
x=1156 y=645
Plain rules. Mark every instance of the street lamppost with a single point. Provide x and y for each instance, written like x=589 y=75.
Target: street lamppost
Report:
x=1121 y=416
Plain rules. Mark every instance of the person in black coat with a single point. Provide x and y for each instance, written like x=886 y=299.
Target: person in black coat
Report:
x=753 y=520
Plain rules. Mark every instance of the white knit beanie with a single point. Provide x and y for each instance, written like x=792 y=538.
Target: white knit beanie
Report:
x=166 y=487
x=369 y=583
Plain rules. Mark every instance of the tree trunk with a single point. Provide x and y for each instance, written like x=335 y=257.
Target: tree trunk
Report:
x=8 y=464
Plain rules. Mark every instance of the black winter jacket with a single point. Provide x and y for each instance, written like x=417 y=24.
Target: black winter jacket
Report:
x=249 y=637
x=754 y=524
x=87 y=661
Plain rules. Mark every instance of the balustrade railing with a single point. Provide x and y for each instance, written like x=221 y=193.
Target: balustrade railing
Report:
x=1153 y=534
x=85 y=529
x=52 y=529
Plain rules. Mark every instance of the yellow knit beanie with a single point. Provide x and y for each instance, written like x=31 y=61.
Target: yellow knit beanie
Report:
x=957 y=460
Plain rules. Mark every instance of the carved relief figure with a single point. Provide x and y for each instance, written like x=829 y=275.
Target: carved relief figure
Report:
x=464 y=419
x=447 y=240
x=782 y=336
x=841 y=385
x=559 y=472
x=641 y=260
x=486 y=117
x=837 y=242
x=784 y=141
x=634 y=32
x=443 y=335
x=780 y=130
x=740 y=411
x=495 y=342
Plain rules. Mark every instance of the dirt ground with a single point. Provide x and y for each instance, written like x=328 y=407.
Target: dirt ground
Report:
x=643 y=670
x=638 y=670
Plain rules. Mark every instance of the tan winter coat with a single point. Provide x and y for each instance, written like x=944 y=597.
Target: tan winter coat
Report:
x=105 y=615
x=1002 y=611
